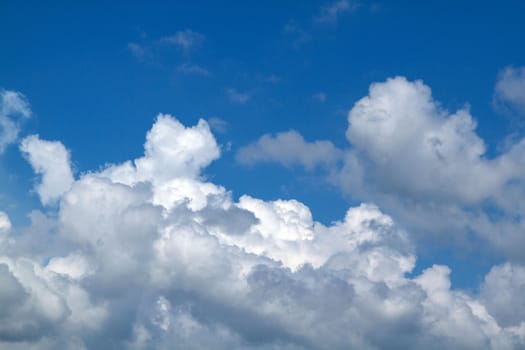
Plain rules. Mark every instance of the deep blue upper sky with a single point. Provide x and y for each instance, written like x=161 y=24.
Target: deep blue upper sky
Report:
x=73 y=62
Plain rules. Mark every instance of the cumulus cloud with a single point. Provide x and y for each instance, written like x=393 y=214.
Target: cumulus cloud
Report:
x=13 y=109
x=501 y=292
x=510 y=89
x=424 y=165
x=421 y=149
x=289 y=148
x=429 y=167
x=50 y=160
x=154 y=255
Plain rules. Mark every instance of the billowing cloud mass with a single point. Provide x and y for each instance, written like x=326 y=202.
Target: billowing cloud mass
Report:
x=148 y=254
x=424 y=165
x=13 y=109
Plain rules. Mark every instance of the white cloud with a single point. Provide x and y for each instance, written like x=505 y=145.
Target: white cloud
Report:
x=5 y=223
x=289 y=149
x=193 y=69
x=419 y=162
x=5 y=228
x=13 y=109
x=502 y=293
x=186 y=40
x=421 y=149
x=236 y=96
x=152 y=255
x=510 y=89
x=330 y=13
x=173 y=150
x=424 y=165
x=51 y=160
x=152 y=50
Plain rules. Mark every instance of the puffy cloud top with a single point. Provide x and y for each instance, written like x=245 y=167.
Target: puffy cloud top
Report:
x=51 y=160
x=420 y=148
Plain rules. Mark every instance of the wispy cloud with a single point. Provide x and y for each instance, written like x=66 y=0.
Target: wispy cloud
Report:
x=509 y=92
x=193 y=69
x=236 y=96
x=148 y=50
x=272 y=78
x=296 y=33
x=330 y=13
x=140 y=52
x=13 y=109
x=320 y=96
x=186 y=40
x=218 y=125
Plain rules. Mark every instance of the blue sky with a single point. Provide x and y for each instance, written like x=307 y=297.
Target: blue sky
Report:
x=74 y=63
x=95 y=76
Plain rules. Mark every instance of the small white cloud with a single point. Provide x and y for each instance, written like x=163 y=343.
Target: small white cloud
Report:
x=186 y=40
x=193 y=69
x=238 y=97
x=330 y=13
x=13 y=109
x=320 y=96
x=290 y=148
x=51 y=160
x=510 y=89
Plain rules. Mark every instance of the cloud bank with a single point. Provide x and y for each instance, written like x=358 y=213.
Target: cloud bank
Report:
x=148 y=254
